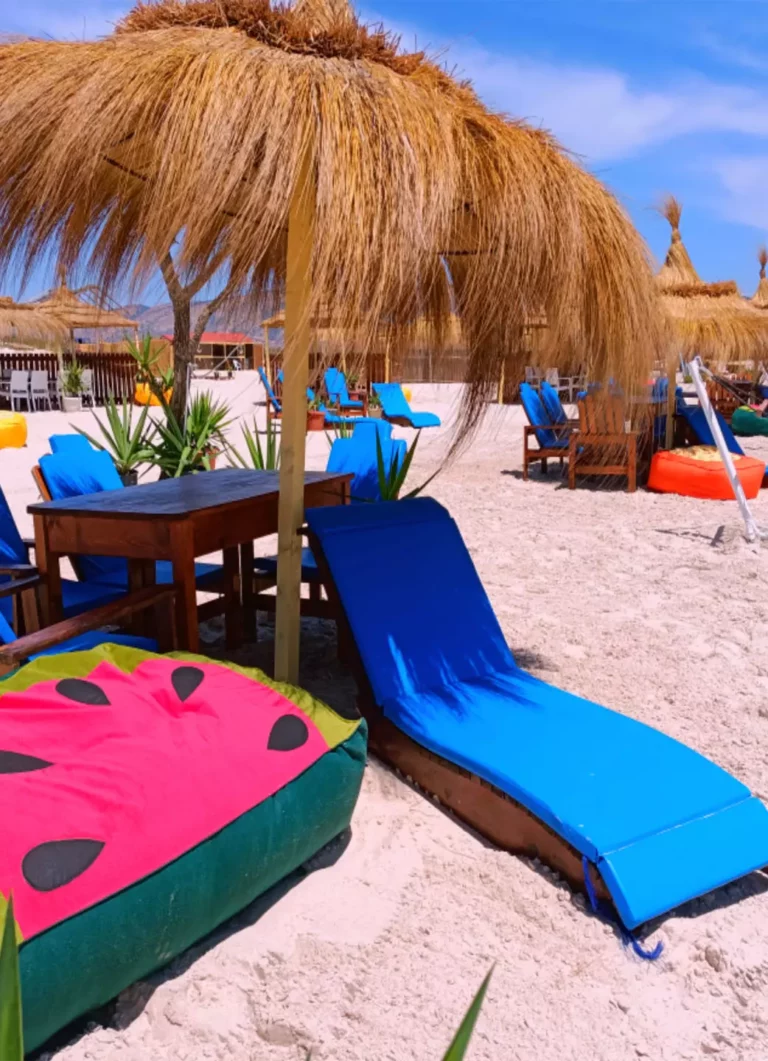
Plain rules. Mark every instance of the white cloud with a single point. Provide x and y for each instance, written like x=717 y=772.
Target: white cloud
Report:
x=598 y=111
x=743 y=182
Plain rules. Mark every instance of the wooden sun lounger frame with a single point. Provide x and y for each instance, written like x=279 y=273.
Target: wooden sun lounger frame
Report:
x=479 y=804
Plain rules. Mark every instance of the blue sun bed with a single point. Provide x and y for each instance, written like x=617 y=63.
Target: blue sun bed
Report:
x=660 y=823
x=395 y=407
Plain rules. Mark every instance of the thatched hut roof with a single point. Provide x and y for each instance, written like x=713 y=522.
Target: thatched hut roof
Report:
x=25 y=322
x=77 y=312
x=760 y=297
x=711 y=320
x=193 y=121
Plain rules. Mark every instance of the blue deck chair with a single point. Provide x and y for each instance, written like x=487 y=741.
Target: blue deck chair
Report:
x=14 y=563
x=72 y=444
x=397 y=410
x=272 y=399
x=658 y=822
x=357 y=455
x=336 y=389
x=90 y=474
x=551 y=437
x=696 y=419
x=552 y=404
x=330 y=417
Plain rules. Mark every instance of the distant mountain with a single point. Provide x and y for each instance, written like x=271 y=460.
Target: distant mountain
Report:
x=158 y=320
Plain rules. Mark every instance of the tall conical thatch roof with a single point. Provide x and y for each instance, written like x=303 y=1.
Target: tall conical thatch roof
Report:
x=26 y=323
x=711 y=320
x=192 y=122
x=76 y=312
x=760 y=297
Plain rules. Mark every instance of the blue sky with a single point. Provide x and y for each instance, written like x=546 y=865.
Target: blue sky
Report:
x=655 y=96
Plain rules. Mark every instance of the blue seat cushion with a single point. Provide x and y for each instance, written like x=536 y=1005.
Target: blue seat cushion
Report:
x=73 y=444
x=540 y=420
x=697 y=420
x=552 y=404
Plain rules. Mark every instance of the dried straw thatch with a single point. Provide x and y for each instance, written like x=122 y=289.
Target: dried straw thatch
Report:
x=760 y=297
x=23 y=322
x=76 y=312
x=192 y=121
x=711 y=320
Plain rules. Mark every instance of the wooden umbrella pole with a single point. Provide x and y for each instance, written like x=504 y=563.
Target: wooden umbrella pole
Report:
x=298 y=335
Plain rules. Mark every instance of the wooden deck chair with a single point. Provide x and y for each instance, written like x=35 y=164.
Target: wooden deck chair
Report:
x=603 y=445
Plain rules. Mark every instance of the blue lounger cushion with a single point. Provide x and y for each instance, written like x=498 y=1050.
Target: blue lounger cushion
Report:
x=540 y=419
x=72 y=444
x=662 y=823
x=697 y=421
x=552 y=404
x=395 y=406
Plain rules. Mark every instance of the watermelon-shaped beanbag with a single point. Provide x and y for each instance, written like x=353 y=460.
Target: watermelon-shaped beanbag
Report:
x=144 y=799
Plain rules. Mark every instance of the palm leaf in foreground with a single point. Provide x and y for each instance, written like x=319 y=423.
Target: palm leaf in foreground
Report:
x=11 y=1040
x=458 y=1047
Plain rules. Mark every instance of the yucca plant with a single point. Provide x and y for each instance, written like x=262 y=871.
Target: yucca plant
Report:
x=264 y=458
x=460 y=1042
x=184 y=449
x=11 y=1036
x=128 y=445
x=392 y=479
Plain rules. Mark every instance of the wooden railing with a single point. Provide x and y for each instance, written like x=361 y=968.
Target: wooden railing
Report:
x=113 y=374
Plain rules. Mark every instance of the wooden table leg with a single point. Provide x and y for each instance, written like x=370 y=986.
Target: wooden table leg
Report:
x=52 y=605
x=246 y=589
x=233 y=608
x=141 y=574
x=183 y=553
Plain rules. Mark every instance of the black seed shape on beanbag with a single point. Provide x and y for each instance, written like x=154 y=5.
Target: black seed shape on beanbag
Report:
x=57 y=862
x=185 y=680
x=288 y=732
x=19 y=763
x=82 y=691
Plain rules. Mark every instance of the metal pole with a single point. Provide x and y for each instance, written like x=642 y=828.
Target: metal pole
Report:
x=753 y=531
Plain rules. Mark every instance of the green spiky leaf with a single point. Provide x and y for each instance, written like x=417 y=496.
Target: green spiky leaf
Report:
x=11 y=1037
x=458 y=1047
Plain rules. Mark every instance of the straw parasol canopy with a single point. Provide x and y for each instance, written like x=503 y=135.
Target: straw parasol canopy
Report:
x=760 y=297
x=25 y=322
x=711 y=320
x=312 y=160
x=76 y=312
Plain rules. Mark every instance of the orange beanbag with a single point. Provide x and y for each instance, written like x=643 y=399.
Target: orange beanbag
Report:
x=13 y=430
x=699 y=472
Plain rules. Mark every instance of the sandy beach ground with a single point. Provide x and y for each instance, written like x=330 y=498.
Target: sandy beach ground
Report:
x=652 y=605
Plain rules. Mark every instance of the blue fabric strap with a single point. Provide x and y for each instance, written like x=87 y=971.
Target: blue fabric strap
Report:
x=626 y=937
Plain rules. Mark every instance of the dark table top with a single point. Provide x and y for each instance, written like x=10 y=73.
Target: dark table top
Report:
x=177 y=498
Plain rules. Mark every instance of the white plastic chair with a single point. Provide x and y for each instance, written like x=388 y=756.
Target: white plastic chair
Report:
x=38 y=388
x=20 y=388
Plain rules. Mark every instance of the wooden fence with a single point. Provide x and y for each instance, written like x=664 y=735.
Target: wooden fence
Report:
x=113 y=374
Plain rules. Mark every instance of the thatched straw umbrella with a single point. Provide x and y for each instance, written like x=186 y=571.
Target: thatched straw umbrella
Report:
x=302 y=152
x=760 y=297
x=24 y=322
x=79 y=312
x=709 y=320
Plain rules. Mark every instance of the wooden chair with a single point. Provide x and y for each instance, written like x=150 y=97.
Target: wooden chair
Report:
x=602 y=445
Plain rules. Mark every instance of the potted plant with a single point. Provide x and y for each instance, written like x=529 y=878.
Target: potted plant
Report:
x=315 y=415
x=128 y=446
x=374 y=405
x=192 y=446
x=72 y=387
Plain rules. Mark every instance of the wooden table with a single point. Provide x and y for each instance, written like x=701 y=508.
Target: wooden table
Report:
x=176 y=520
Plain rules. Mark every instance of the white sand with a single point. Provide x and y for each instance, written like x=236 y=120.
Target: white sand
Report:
x=634 y=601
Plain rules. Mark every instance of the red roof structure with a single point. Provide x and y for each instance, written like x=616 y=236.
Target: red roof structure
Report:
x=220 y=338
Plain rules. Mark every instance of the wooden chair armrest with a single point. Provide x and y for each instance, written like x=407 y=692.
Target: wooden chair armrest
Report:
x=18 y=585
x=17 y=569
x=107 y=615
x=557 y=428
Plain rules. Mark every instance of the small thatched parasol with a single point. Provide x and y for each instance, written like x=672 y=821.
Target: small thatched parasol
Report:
x=760 y=297
x=305 y=154
x=711 y=320
x=25 y=322
x=78 y=312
